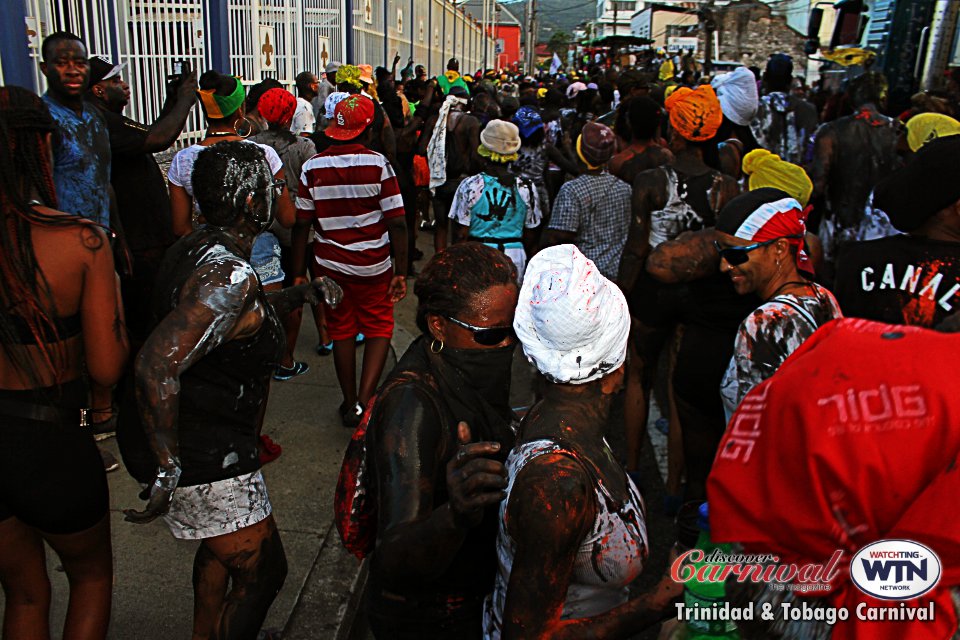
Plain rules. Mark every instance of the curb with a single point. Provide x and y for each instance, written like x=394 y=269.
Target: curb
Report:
x=331 y=594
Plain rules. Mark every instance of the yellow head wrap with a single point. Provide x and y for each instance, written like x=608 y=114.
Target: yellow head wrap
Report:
x=768 y=170
x=349 y=74
x=925 y=127
x=493 y=156
x=849 y=56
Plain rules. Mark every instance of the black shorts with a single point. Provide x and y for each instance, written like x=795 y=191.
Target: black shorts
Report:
x=51 y=475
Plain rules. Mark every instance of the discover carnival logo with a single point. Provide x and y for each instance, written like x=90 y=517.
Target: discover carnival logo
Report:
x=895 y=569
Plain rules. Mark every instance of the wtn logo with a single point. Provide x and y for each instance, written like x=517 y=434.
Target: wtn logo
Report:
x=895 y=569
x=903 y=570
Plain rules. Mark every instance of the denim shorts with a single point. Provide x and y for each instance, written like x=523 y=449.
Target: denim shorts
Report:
x=266 y=258
x=218 y=508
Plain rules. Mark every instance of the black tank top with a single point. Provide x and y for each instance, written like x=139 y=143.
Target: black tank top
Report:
x=221 y=395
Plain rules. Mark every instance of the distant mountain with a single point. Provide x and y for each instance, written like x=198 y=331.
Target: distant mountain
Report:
x=558 y=15
x=565 y=14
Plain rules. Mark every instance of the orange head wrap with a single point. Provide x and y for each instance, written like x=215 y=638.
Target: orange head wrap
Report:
x=695 y=114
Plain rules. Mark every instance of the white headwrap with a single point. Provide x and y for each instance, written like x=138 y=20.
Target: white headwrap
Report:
x=737 y=92
x=330 y=104
x=573 y=323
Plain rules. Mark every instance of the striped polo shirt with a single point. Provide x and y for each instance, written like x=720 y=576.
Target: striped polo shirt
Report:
x=349 y=193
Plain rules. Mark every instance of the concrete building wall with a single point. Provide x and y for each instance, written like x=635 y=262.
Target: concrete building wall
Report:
x=664 y=22
x=510 y=35
x=749 y=33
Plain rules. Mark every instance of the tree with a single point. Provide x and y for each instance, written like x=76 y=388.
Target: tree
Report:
x=559 y=43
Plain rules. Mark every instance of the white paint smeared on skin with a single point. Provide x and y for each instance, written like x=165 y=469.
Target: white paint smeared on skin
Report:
x=168 y=387
x=243 y=179
x=221 y=300
x=230 y=459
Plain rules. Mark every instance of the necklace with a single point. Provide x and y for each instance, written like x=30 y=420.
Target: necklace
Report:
x=802 y=283
x=220 y=134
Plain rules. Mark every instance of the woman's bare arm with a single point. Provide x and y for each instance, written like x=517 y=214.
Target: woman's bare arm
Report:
x=105 y=341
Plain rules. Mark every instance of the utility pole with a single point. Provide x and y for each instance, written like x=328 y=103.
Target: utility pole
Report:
x=709 y=24
x=496 y=33
x=532 y=37
x=486 y=34
x=616 y=13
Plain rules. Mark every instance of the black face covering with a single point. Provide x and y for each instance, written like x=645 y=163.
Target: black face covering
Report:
x=485 y=371
x=475 y=384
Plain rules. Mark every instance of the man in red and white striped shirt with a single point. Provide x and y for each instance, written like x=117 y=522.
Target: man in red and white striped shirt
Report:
x=350 y=196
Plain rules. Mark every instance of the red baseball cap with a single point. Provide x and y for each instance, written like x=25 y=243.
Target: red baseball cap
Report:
x=351 y=117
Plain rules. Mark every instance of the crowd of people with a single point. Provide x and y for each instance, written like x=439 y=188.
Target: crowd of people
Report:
x=649 y=234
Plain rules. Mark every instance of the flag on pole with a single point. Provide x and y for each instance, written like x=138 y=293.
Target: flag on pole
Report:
x=555 y=65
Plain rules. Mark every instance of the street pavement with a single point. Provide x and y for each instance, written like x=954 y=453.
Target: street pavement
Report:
x=153 y=595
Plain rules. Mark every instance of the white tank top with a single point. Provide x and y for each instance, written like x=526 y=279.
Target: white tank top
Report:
x=676 y=216
x=609 y=558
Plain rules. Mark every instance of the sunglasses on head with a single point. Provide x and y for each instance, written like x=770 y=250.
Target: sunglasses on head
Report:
x=738 y=255
x=486 y=336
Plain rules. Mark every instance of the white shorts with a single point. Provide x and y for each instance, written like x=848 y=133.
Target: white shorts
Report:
x=217 y=508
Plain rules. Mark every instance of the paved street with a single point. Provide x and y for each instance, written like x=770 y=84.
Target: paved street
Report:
x=153 y=595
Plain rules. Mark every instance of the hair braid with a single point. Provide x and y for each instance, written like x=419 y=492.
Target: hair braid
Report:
x=25 y=170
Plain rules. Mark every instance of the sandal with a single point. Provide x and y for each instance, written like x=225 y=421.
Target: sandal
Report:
x=106 y=427
x=285 y=373
x=351 y=415
x=325 y=349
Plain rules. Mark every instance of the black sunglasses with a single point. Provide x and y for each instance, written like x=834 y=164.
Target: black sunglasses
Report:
x=487 y=336
x=738 y=255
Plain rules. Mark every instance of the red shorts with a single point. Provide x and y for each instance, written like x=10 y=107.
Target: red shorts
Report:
x=366 y=308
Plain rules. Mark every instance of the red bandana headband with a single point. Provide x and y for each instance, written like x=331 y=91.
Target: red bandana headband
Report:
x=775 y=220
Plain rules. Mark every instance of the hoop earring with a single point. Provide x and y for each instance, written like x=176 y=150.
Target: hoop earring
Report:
x=433 y=346
x=249 y=129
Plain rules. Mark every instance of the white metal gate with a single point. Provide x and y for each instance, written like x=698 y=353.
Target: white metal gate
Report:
x=323 y=40
x=149 y=35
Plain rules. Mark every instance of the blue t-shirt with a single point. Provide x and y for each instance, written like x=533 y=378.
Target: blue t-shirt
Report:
x=81 y=161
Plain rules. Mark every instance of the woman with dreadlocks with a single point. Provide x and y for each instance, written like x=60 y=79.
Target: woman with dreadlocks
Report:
x=60 y=316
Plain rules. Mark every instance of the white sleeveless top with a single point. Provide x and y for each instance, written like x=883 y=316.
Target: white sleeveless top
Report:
x=609 y=558
x=676 y=216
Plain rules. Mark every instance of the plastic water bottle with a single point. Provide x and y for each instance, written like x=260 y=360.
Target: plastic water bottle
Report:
x=707 y=594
